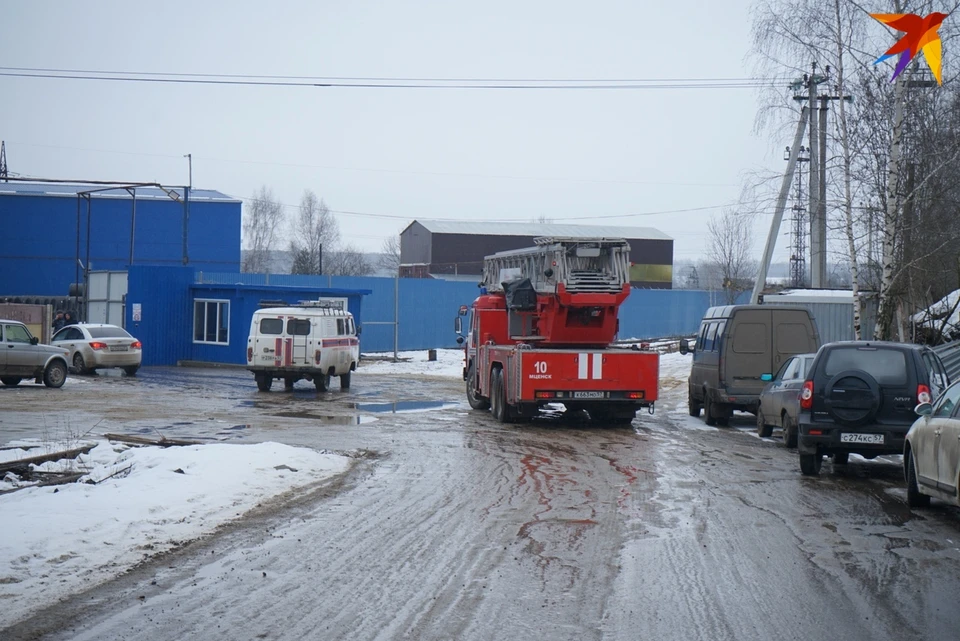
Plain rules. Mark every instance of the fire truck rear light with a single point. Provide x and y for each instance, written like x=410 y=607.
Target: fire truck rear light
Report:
x=544 y=395
x=923 y=394
x=635 y=395
x=98 y=345
x=806 y=396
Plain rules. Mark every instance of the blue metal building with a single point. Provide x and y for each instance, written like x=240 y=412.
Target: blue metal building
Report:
x=51 y=232
x=178 y=317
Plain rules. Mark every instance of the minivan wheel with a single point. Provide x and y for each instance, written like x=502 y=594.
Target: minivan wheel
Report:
x=322 y=382
x=763 y=429
x=810 y=464
x=345 y=381
x=722 y=413
x=693 y=406
x=914 y=498
x=288 y=383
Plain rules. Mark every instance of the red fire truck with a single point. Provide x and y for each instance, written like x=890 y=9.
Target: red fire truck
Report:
x=542 y=329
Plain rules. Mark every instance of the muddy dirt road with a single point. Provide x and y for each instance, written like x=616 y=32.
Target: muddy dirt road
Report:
x=454 y=527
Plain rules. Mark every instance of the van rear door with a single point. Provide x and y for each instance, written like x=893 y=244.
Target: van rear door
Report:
x=793 y=333
x=748 y=351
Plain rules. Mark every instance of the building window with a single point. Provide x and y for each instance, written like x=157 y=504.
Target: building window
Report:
x=211 y=321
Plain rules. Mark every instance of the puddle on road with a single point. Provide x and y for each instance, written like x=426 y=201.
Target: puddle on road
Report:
x=327 y=419
x=402 y=406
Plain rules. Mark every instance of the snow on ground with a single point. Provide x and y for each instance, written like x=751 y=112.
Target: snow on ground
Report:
x=59 y=540
x=449 y=363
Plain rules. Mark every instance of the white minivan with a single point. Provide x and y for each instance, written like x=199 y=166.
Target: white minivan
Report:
x=313 y=340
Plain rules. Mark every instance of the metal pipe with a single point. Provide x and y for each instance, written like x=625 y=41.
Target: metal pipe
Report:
x=396 y=316
x=133 y=222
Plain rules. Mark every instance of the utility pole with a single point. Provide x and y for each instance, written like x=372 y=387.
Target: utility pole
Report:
x=781 y=204
x=4 y=174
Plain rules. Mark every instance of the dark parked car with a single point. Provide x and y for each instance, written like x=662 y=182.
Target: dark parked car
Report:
x=859 y=397
x=780 y=399
x=22 y=356
x=931 y=455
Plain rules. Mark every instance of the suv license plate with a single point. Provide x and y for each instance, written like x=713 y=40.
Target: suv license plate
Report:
x=589 y=395
x=874 y=439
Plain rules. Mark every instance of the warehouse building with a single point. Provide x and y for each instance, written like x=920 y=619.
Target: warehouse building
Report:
x=54 y=234
x=455 y=250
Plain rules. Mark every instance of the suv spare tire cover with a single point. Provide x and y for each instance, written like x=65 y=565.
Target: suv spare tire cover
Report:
x=852 y=397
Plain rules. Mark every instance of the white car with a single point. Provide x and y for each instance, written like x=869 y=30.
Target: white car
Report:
x=931 y=453
x=95 y=346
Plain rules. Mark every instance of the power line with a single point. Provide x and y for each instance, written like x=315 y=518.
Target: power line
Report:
x=736 y=83
x=375 y=78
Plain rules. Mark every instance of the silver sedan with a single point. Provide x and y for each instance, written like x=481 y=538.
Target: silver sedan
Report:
x=95 y=346
x=931 y=453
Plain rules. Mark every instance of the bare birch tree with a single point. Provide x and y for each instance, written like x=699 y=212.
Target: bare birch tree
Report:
x=390 y=255
x=262 y=219
x=316 y=232
x=729 y=248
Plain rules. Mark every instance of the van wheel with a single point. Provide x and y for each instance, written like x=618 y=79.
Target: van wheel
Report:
x=322 y=382
x=264 y=382
x=810 y=464
x=288 y=383
x=693 y=406
x=345 y=381
x=763 y=429
x=914 y=498
x=723 y=414
x=708 y=412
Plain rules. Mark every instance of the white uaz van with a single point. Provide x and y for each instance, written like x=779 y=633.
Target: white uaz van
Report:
x=312 y=341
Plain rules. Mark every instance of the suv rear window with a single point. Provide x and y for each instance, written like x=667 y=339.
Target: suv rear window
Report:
x=273 y=326
x=888 y=366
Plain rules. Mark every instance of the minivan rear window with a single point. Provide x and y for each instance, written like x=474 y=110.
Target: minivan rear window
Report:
x=888 y=366
x=272 y=326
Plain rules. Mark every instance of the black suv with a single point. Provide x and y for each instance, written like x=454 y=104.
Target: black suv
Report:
x=859 y=397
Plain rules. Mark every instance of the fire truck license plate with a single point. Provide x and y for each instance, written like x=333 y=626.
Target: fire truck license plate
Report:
x=876 y=439
x=589 y=395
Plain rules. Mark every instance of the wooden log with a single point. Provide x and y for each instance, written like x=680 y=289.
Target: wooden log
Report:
x=140 y=440
x=24 y=464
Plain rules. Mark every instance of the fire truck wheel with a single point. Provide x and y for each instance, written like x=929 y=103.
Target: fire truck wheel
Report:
x=501 y=410
x=693 y=405
x=264 y=381
x=475 y=401
x=345 y=381
x=322 y=382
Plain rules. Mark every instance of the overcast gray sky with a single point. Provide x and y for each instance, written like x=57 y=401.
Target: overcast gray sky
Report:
x=571 y=155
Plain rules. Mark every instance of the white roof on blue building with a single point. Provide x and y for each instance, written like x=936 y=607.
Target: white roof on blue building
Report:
x=481 y=228
x=107 y=191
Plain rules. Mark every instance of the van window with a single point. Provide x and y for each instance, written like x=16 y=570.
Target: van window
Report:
x=272 y=326
x=701 y=337
x=352 y=329
x=751 y=338
x=722 y=325
x=340 y=329
x=298 y=327
x=711 y=335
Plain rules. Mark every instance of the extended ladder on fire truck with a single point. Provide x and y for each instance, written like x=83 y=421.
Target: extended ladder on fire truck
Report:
x=582 y=266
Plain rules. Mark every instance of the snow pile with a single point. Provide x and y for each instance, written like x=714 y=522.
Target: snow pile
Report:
x=60 y=540
x=945 y=309
x=449 y=363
